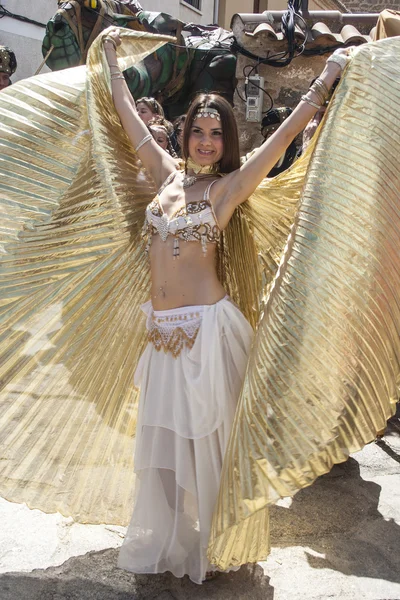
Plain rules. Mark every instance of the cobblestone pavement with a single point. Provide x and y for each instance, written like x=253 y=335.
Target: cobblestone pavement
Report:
x=338 y=539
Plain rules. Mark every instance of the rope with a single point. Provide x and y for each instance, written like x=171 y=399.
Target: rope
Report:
x=44 y=60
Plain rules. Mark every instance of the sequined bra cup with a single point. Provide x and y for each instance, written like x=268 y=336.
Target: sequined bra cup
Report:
x=194 y=222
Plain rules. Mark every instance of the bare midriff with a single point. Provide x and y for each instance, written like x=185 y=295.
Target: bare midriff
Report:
x=189 y=280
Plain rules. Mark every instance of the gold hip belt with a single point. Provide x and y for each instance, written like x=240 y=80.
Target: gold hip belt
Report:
x=175 y=329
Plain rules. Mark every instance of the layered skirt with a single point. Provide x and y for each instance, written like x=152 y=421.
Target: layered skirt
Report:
x=190 y=376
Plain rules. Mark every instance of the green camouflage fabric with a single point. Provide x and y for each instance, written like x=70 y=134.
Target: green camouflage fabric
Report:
x=201 y=60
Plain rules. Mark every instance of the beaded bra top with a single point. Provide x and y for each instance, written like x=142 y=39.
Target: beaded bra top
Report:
x=194 y=222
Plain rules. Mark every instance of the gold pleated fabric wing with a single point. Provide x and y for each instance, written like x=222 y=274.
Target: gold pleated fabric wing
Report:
x=324 y=372
x=73 y=277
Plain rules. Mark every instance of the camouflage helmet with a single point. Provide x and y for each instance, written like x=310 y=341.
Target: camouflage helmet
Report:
x=8 y=62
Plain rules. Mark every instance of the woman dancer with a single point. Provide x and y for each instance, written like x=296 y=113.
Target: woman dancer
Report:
x=191 y=371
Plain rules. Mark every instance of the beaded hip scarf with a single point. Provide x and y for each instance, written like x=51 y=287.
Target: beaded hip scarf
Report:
x=173 y=330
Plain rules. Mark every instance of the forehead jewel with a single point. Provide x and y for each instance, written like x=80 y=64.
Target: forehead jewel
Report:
x=208 y=112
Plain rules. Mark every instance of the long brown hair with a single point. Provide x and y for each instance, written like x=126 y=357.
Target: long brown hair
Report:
x=230 y=160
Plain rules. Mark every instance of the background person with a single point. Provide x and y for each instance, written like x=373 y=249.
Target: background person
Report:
x=8 y=66
x=160 y=130
x=148 y=109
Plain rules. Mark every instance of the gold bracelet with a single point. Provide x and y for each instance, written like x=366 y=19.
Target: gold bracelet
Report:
x=318 y=92
x=311 y=103
x=117 y=76
x=323 y=85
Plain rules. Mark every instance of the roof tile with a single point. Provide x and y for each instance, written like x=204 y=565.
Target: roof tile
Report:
x=326 y=28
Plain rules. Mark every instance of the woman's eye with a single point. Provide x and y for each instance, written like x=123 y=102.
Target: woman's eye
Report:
x=217 y=133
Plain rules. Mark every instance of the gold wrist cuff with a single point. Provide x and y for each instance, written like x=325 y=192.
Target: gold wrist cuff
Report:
x=311 y=103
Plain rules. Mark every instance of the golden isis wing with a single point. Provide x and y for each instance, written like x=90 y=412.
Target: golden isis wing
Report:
x=73 y=276
x=324 y=371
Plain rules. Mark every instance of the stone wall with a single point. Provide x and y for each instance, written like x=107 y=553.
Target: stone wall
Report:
x=371 y=6
x=285 y=85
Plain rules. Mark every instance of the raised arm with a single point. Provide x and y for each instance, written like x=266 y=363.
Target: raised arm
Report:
x=156 y=161
x=236 y=187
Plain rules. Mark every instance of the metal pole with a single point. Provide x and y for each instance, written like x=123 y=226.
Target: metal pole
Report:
x=216 y=12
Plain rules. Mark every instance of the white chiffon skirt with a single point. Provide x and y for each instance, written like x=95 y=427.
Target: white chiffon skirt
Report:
x=190 y=376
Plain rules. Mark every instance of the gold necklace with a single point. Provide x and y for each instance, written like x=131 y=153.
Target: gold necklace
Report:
x=200 y=172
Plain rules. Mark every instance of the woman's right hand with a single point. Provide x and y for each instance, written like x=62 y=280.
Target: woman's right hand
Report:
x=111 y=41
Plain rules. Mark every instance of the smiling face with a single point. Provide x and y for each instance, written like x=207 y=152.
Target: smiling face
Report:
x=210 y=133
x=206 y=144
x=144 y=112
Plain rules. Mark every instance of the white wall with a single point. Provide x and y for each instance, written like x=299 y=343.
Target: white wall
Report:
x=188 y=14
x=26 y=39
x=39 y=10
x=182 y=10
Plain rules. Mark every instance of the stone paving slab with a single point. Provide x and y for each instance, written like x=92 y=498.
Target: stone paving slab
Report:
x=338 y=539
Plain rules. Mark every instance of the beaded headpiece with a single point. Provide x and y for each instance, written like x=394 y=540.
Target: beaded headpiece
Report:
x=207 y=112
x=8 y=62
